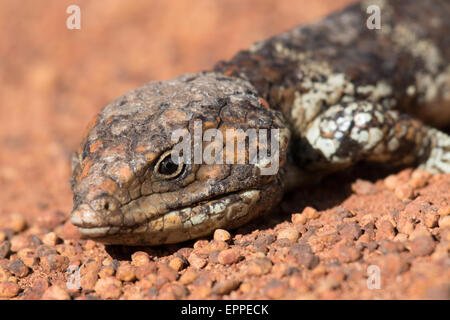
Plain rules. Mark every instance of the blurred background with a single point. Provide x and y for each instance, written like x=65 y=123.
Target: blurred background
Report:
x=54 y=80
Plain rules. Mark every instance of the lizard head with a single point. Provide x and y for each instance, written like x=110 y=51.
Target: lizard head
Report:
x=128 y=186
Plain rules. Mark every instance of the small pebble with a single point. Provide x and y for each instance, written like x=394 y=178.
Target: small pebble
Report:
x=445 y=235
x=88 y=280
x=222 y=235
x=225 y=287
x=288 y=233
x=39 y=285
x=213 y=257
x=246 y=287
x=93 y=266
x=201 y=292
x=392 y=264
x=89 y=244
x=13 y=279
x=35 y=242
x=17 y=223
x=44 y=250
x=303 y=255
x=146 y=269
x=419 y=231
x=419 y=178
x=4 y=274
x=19 y=242
x=444 y=211
x=67 y=250
x=126 y=272
x=9 y=289
x=196 y=261
x=177 y=263
x=89 y=275
x=173 y=291
x=372 y=245
x=167 y=272
x=69 y=231
x=185 y=251
x=28 y=256
x=388 y=246
x=199 y=244
x=108 y=288
x=50 y=219
x=133 y=293
x=54 y=262
x=140 y=258
x=401 y=237
x=327 y=284
x=385 y=230
x=405 y=225
x=431 y=219
x=106 y=271
x=50 y=239
x=217 y=245
x=422 y=246
x=298 y=218
x=351 y=231
x=55 y=293
x=18 y=268
x=444 y=221
x=188 y=277
x=275 y=289
x=5 y=248
x=229 y=256
x=343 y=212
x=391 y=182
x=346 y=253
x=259 y=266
x=310 y=213
x=35 y=230
x=2 y=236
x=264 y=240
x=363 y=187
x=404 y=192
x=108 y=262
x=440 y=252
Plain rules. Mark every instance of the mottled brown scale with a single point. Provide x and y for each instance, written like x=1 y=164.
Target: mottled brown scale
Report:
x=338 y=92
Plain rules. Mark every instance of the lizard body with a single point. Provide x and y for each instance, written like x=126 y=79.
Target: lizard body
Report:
x=337 y=92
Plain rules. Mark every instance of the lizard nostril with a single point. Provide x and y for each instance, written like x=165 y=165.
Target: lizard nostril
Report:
x=104 y=204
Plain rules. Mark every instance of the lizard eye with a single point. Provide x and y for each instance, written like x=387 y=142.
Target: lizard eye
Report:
x=166 y=168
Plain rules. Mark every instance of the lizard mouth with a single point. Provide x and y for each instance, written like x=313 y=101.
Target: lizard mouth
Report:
x=201 y=217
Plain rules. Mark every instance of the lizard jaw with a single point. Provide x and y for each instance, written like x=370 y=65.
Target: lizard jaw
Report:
x=174 y=226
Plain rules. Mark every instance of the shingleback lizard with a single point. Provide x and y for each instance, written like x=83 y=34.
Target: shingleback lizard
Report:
x=338 y=92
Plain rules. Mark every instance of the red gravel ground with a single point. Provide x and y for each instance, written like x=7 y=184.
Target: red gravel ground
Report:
x=318 y=244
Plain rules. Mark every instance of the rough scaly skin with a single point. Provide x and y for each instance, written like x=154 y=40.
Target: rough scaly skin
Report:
x=338 y=92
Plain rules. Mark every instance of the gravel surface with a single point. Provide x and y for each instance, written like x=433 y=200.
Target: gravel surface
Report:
x=319 y=244
x=324 y=251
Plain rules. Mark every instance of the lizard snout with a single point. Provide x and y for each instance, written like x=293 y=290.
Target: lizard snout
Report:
x=85 y=216
x=96 y=218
